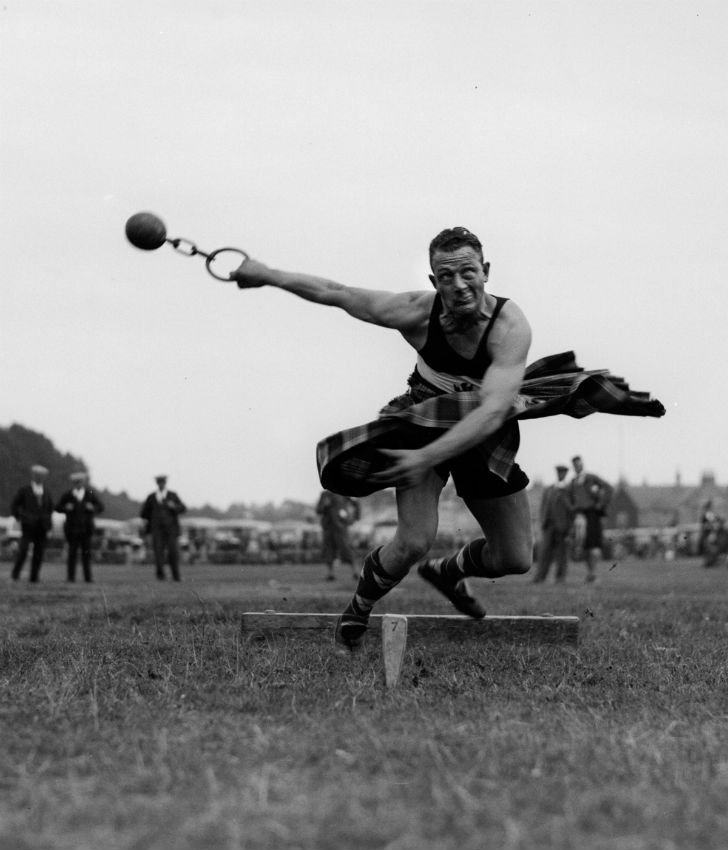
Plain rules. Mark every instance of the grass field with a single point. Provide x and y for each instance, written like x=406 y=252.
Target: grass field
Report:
x=136 y=715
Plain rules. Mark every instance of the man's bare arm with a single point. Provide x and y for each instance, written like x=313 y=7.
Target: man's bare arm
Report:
x=400 y=311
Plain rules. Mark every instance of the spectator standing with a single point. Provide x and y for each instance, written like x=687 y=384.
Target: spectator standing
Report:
x=161 y=511
x=32 y=507
x=80 y=504
x=708 y=519
x=590 y=497
x=556 y=517
x=336 y=514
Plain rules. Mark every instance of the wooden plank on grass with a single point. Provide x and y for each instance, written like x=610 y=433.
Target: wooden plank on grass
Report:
x=544 y=628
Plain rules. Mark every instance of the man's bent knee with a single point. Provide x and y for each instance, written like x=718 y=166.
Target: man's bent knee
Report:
x=518 y=566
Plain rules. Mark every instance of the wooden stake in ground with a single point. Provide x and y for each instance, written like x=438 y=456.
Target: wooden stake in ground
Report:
x=394 y=641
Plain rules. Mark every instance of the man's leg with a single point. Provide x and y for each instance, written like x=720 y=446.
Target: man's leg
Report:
x=23 y=545
x=158 y=546
x=328 y=553
x=561 y=556
x=546 y=552
x=386 y=566
x=593 y=556
x=86 y=559
x=39 y=543
x=173 y=555
x=346 y=553
x=506 y=549
x=71 y=557
x=592 y=544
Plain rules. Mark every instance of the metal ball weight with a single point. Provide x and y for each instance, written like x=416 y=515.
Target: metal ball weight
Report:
x=146 y=231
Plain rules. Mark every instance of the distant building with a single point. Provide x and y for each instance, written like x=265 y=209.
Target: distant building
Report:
x=677 y=504
x=623 y=511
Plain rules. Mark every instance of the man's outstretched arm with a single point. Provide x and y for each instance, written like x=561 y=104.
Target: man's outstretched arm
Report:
x=400 y=311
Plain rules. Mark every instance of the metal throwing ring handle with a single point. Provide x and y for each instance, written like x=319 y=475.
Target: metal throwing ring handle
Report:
x=211 y=257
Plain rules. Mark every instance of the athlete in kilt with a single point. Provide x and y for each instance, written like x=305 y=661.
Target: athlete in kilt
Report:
x=458 y=417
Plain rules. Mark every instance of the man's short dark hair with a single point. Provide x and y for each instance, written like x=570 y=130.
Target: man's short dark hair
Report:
x=453 y=238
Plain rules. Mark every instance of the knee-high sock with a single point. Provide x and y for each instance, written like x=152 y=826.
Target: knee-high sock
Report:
x=374 y=583
x=472 y=560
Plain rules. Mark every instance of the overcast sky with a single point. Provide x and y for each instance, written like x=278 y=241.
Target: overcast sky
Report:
x=584 y=142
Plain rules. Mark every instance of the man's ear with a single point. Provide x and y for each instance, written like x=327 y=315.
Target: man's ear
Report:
x=432 y=280
x=486 y=269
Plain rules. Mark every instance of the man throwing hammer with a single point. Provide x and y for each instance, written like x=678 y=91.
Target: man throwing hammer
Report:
x=458 y=417
x=466 y=339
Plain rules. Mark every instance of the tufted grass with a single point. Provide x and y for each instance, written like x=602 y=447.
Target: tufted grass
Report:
x=136 y=716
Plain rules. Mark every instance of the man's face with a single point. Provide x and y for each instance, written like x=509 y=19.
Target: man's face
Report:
x=578 y=465
x=459 y=276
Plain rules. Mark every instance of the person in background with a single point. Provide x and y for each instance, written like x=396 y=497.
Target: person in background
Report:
x=32 y=507
x=80 y=504
x=336 y=514
x=556 y=516
x=590 y=496
x=708 y=519
x=161 y=511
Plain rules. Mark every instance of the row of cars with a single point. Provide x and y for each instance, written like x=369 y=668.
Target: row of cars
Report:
x=202 y=540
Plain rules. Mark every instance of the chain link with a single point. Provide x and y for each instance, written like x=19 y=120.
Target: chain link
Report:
x=186 y=247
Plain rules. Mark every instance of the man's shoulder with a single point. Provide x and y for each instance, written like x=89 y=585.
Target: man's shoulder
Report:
x=512 y=316
x=419 y=303
x=510 y=334
x=593 y=478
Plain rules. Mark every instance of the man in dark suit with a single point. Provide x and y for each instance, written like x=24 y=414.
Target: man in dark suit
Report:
x=590 y=496
x=556 y=515
x=161 y=510
x=80 y=505
x=336 y=514
x=32 y=507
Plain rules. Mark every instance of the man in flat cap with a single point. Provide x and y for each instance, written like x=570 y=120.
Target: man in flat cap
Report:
x=556 y=515
x=32 y=507
x=161 y=510
x=80 y=504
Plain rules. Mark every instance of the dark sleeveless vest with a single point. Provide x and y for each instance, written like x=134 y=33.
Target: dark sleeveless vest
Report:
x=440 y=357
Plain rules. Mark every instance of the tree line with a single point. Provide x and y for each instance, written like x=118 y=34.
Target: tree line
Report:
x=21 y=447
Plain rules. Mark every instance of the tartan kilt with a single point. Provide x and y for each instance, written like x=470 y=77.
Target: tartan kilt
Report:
x=551 y=386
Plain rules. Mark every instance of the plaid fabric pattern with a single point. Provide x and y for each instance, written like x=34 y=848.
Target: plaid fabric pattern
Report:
x=551 y=386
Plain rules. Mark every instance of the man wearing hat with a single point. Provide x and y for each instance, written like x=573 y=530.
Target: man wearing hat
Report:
x=80 y=505
x=161 y=511
x=556 y=515
x=32 y=507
